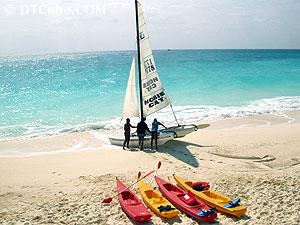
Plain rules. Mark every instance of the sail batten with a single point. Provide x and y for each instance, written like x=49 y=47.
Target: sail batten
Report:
x=154 y=96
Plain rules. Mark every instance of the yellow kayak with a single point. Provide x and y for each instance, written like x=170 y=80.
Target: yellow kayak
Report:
x=156 y=202
x=213 y=199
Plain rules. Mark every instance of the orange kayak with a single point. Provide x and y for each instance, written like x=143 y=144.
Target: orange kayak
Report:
x=156 y=202
x=213 y=198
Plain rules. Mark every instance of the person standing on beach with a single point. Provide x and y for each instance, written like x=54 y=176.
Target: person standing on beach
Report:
x=127 y=127
x=142 y=127
x=154 y=133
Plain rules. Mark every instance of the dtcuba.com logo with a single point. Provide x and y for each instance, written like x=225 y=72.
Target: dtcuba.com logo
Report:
x=52 y=10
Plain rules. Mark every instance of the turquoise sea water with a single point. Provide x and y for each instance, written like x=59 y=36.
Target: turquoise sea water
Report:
x=57 y=93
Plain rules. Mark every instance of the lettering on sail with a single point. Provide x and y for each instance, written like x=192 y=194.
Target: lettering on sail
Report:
x=149 y=67
x=150 y=84
x=155 y=99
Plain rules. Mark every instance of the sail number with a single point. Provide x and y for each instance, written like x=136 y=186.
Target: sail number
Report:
x=149 y=67
x=142 y=35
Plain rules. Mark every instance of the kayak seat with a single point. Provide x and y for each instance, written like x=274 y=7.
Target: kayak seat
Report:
x=127 y=195
x=156 y=200
x=149 y=193
x=188 y=198
x=132 y=202
x=173 y=188
x=129 y=198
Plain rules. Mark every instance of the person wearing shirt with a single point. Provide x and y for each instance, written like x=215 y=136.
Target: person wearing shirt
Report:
x=154 y=132
x=142 y=127
x=127 y=133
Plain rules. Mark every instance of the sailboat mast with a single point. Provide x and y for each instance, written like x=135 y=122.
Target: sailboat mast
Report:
x=139 y=56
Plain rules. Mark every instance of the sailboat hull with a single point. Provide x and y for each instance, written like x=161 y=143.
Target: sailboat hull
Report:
x=163 y=138
x=182 y=130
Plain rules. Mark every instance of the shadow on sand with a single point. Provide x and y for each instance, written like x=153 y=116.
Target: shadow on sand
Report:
x=165 y=221
x=179 y=149
x=150 y=222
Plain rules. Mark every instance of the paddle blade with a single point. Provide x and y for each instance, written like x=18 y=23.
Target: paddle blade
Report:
x=107 y=200
x=159 y=165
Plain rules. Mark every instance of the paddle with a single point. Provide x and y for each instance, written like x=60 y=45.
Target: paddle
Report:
x=108 y=200
x=158 y=166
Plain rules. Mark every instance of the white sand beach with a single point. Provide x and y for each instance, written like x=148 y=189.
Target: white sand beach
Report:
x=254 y=158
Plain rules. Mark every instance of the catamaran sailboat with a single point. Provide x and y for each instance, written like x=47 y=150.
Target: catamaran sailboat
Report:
x=152 y=95
x=130 y=109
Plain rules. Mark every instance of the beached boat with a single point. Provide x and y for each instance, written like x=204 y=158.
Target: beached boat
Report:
x=152 y=95
x=156 y=202
x=185 y=201
x=163 y=137
x=212 y=198
x=131 y=205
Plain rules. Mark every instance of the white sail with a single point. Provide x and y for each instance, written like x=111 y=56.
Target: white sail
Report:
x=130 y=107
x=154 y=94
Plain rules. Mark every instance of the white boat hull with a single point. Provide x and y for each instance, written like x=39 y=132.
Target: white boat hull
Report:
x=163 y=138
x=182 y=130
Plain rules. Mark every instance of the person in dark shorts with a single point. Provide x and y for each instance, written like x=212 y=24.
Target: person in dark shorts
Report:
x=127 y=127
x=142 y=127
x=154 y=132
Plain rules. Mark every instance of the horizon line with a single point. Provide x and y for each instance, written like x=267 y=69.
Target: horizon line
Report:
x=131 y=50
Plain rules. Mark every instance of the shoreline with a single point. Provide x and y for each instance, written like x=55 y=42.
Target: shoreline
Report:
x=93 y=140
x=190 y=114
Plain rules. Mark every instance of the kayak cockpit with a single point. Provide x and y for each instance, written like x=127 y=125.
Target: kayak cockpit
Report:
x=172 y=188
x=129 y=198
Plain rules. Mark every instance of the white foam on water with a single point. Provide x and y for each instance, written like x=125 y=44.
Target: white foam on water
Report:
x=185 y=115
x=189 y=114
x=195 y=114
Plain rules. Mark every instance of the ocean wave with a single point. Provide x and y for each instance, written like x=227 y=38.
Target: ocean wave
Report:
x=194 y=114
x=185 y=115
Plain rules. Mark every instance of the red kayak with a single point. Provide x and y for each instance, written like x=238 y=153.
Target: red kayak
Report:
x=186 y=201
x=131 y=205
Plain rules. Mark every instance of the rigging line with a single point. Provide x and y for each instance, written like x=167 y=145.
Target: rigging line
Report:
x=174 y=114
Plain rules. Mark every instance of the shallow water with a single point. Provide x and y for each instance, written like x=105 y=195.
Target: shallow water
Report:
x=67 y=92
